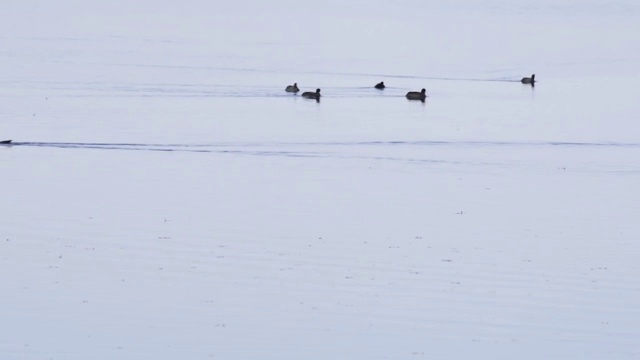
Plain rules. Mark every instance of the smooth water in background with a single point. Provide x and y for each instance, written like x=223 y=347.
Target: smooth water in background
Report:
x=166 y=199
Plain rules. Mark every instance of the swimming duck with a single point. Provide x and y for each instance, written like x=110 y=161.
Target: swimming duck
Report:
x=292 y=88
x=414 y=95
x=529 y=80
x=312 y=95
x=380 y=86
x=5 y=142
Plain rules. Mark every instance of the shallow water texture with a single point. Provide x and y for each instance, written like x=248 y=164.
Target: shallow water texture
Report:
x=164 y=198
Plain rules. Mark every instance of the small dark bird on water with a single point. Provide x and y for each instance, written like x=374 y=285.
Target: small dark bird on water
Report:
x=414 y=95
x=292 y=88
x=529 y=80
x=380 y=86
x=5 y=142
x=312 y=95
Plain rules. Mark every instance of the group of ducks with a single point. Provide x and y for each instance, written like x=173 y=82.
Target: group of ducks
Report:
x=411 y=95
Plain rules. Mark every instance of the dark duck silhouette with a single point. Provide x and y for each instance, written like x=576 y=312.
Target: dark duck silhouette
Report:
x=415 y=95
x=529 y=80
x=292 y=88
x=312 y=95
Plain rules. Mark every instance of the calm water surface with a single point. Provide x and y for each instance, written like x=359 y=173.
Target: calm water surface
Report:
x=165 y=198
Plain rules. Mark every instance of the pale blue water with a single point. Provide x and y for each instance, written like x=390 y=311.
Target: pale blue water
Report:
x=165 y=198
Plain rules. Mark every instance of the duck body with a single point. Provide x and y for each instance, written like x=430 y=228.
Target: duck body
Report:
x=529 y=80
x=380 y=86
x=312 y=95
x=415 y=95
x=5 y=142
x=292 y=88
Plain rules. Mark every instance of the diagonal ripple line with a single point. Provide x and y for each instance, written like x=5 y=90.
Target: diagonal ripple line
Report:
x=186 y=147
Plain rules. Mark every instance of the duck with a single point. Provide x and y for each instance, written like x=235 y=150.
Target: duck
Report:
x=380 y=86
x=414 y=95
x=529 y=80
x=312 y=95
x=292 y=88
x=5 y=142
